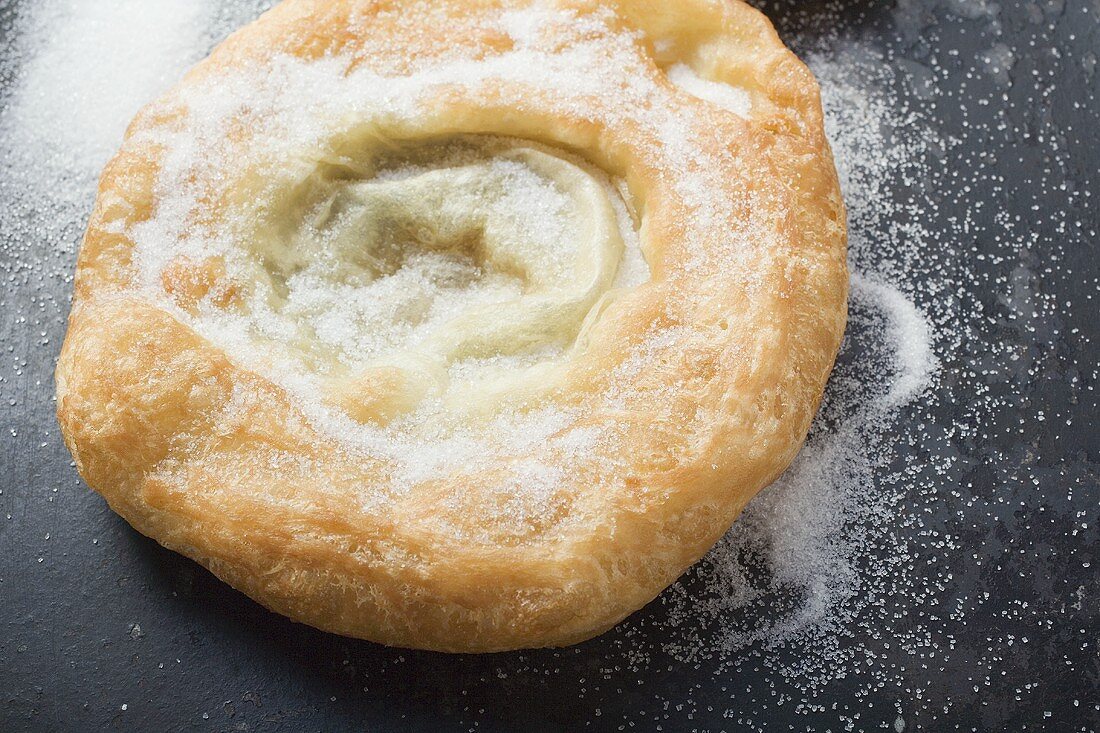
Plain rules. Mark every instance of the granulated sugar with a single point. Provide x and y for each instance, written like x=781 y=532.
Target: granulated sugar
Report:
x=100 y=63
x=90 y=66
x=735 y=100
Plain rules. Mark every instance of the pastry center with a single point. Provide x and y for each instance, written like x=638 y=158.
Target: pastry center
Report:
x=478 y=255
x=388 y=275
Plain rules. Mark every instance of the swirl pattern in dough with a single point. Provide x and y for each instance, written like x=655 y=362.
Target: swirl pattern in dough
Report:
x=459 y=324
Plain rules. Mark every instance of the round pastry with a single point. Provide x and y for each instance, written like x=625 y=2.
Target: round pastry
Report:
x=463 y=325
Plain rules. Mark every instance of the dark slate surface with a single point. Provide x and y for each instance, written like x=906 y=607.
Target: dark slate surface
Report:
x=75 y=579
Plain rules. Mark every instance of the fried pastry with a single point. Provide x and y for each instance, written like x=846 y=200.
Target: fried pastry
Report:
x=463 y=325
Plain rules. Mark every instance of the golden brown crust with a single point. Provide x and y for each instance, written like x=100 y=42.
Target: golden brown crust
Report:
x=219 y=463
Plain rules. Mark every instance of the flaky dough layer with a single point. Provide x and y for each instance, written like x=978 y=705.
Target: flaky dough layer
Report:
x=356 y=477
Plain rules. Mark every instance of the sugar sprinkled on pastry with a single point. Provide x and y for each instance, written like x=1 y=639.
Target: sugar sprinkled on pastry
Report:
x=459 y=324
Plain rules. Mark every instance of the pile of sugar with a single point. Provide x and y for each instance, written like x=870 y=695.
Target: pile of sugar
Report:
x=791 y=603
x=89 y=67
x=725 y=96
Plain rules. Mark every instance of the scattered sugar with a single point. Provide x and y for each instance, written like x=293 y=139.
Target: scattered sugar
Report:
x=790 y=571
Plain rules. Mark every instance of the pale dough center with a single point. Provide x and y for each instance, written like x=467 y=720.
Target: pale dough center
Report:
x=435 y=273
